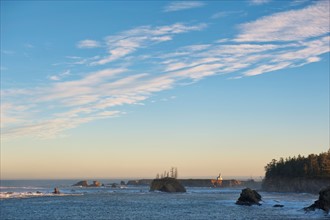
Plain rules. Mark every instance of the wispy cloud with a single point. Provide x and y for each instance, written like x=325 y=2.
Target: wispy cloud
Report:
x=128 y=42
x=259 y=2
x=46 y=111
x=222 y=14
x=7 y=52
x=293 y=25
x=88 y=44
x=60 y=75
x=183 y=5
x=28 y=45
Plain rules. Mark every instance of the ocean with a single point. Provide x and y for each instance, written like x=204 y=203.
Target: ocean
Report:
x=33 y=199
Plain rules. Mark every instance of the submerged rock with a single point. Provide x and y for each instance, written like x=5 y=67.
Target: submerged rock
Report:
x=83 y=183
x=167 y=185
x=323 y=202
x=249 y=197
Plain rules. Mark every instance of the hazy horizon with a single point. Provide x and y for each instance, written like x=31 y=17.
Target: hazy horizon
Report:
x=129 y=89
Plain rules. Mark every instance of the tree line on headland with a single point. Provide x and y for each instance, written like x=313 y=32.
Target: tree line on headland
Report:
x=173 y=173
x=298 y=173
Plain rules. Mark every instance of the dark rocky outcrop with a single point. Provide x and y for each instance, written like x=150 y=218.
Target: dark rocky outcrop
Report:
x=122 y=183
x=249 y=197
x=299 y=184
x=323 y=202
x=167 y=185
x=83 y=183
x=56 y=191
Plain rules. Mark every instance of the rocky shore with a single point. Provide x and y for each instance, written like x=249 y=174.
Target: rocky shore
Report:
x=308 y=185
x=323 y=202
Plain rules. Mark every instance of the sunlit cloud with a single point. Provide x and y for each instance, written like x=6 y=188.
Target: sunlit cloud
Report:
x=60 y=76
x=292 y=25
x=259 y=2
x=88 y=44
x=128 y=42
x=183 y=5
x=49 y=110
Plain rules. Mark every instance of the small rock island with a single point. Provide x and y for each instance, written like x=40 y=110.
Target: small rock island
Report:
x=323 y=202
x=249 y=197
x=167 y=184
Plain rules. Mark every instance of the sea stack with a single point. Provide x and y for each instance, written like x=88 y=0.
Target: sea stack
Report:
x=56 y=191
x=323 y=202
x=167 y=184
x=249 y=197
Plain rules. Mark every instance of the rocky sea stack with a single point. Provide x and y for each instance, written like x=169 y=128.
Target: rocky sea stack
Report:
x=167 y=184
x=323 y=202
x=249 y=197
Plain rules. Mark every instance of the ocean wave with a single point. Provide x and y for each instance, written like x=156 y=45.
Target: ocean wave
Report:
x=11 y=195
x=20 y=187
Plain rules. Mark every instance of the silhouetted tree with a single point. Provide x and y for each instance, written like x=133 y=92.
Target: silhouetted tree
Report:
x=313 y=166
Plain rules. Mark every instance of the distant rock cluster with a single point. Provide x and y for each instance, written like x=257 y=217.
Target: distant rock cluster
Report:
x=84 y=183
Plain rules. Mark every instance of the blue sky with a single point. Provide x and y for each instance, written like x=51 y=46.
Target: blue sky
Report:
x=137 y=87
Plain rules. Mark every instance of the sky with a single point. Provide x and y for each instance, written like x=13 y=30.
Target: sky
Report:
x=128 y=89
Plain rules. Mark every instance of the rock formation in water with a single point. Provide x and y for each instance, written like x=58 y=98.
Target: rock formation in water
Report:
x=249 y=197
x=56 y=191
x=83 y=183
x=95 y=184
x=323 y=202
x=167 y=184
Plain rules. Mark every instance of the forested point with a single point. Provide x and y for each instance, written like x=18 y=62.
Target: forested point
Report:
x=312 y=166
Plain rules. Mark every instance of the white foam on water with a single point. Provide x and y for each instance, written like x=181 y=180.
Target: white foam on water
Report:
x=11 y=195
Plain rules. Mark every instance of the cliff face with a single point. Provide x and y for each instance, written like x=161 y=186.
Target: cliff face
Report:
x=295 y=184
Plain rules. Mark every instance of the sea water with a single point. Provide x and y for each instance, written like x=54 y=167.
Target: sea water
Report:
x=34 y=200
